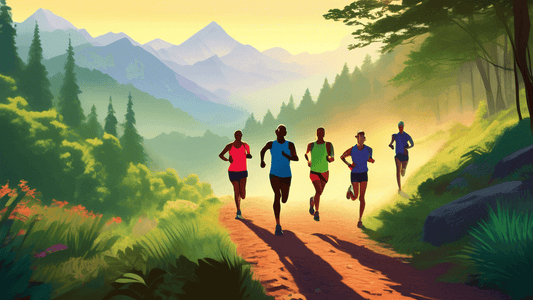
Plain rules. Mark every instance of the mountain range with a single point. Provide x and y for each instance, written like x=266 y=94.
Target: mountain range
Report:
x=197 y=76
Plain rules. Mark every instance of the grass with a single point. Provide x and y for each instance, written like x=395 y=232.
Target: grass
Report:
x=483 y=144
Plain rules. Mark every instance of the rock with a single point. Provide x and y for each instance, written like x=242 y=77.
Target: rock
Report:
x=513 y=162
x=458 y=184
x=452 y=221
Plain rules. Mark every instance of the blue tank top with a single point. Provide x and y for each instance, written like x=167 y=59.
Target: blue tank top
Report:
x=360 y=157
x=279 y=165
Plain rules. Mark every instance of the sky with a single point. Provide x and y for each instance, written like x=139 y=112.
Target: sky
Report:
x=295 y=25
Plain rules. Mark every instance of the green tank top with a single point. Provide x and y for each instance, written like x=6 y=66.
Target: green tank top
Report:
x=319 y=154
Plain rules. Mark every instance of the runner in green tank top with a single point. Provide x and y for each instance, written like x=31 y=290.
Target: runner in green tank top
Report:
x=321 y=155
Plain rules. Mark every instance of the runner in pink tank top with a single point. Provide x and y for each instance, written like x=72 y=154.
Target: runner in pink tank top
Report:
x=237 y=171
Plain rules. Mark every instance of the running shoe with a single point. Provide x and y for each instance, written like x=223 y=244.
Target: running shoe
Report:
x=349 y=193
x=311 y=209
x=403 y=172
x=278 y=230
x=359 y=224
x=317 y=218
x=239 y=216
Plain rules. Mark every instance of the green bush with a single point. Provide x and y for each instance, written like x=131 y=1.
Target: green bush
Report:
x=502 y=251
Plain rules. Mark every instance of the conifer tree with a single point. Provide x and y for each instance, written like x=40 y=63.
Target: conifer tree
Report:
x=323 y=98
x=10 y=63
x=306 y=107
x=269 y=122
x=290 y=113
x=132 y=141
x=110 y=120
x=35 y=84
x=69 y=103
x=92 y=129
x=341 y=91
x=252 y=126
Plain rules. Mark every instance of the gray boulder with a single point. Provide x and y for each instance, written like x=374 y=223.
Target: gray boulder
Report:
x=451 y=222
x=513 y=162
x=458 y=184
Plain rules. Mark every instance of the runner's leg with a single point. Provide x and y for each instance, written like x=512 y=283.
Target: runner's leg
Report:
x=274 y=182
x=398 y=169
x=362 y=199
x=242 y=187
x=404 y=167
x=236 y=194
x=355 y=190
x=318 y=191
x=285 y=187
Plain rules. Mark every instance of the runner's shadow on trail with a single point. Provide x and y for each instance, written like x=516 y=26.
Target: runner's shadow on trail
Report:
x=404 y=278
x=310 y=271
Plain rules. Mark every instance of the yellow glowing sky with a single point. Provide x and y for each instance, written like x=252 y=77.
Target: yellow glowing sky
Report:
x=295 y=25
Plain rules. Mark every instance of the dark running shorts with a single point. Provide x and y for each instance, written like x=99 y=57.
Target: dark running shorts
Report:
x=401 y=157
x=285 y=180
x=237 y=176
x=359 y=177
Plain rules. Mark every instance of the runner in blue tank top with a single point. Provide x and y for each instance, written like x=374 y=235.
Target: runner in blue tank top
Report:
x=402 y=155
x=360 y=154
x=280 y=169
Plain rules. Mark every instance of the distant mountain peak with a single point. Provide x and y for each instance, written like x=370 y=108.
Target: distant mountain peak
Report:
x=47 y=20
x=158 y=44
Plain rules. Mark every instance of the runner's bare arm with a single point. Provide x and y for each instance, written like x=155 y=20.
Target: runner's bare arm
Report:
x=293 y=155
x=411 y=141
x=329 y=148
x=247 y=148
x=263 y=151
x=308 y=150
x=392 y=141
x=344 y=155
x=226 y=149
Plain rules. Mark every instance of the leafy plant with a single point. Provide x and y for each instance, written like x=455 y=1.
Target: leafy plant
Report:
x=16 y=260
x=502 y=251
x=127 y=261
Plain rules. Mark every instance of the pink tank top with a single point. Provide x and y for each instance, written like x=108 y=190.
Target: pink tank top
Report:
x=239 y=158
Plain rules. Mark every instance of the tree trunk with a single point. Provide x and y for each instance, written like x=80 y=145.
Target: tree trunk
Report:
x=472 y=84
x=486 y=83
x=499 y=103
x=517 y=95
x=522 y=26
x=460 y=89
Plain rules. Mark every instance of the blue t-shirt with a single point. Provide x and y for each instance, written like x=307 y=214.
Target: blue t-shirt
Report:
x=401 y=141
x=360 y=158
x=279 y=165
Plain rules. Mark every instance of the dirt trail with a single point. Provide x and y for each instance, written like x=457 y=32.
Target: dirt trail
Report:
x=330 y=259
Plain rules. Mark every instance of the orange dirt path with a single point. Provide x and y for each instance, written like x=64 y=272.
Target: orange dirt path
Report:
x=330 y=259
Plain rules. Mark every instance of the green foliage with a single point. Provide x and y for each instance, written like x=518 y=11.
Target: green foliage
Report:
x=92 y=128
x=34 y=82
x=10 y=62
x=132 y=141
x=110 y=120
x=69 y=102
x=131 y=259
x=502 y=249
x=7 y=88
x=16 y=259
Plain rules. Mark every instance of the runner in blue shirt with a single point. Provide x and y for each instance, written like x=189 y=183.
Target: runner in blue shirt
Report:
x=402 y=155
x=280 y=169
x=360 y=154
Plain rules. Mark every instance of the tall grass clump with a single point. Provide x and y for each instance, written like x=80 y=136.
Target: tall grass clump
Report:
x=501 y=251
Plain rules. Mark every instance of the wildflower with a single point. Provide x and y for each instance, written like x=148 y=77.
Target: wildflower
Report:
x=57 y=247
x=5 y=190
x=21 y=232
x=22 y=183
x=41 y=254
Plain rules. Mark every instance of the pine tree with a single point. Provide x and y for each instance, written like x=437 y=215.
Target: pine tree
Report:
x=92 y=129
x=290 y=113
x=34 y=83
x=10 y=63
x=269 y=122
x=111 y=121
x=132 y=141
x=306 y=107
x=323 y=98
x=341 y=91
x=69 y=103
x=251 y=127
